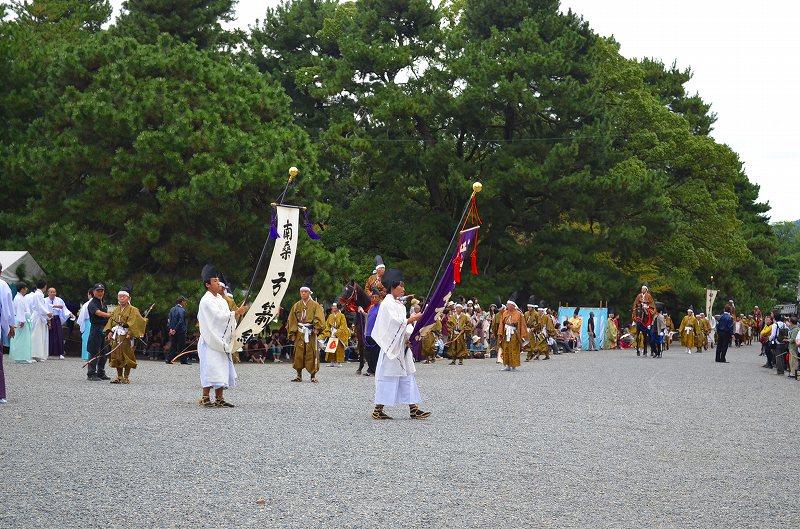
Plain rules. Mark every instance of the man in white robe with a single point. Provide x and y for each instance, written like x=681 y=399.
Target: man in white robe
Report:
x=215 y=346
x=40 y=321
x=56 y=306
x=395 y=382
x=7 y=329
x=21 y=342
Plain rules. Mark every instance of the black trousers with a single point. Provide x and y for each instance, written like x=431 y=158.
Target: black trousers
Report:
x=177 y=345
x=96 y=347
x=723 y=341
x=372 y=358
x=768 y=350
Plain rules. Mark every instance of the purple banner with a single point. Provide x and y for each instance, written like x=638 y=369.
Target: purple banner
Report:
x=442 y=293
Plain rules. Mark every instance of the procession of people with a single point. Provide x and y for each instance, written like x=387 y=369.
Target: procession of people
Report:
x=461 y=330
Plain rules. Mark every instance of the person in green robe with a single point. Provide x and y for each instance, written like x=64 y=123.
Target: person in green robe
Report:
x=125 y=326
x=689 y=330
x=335 y=325
x=611 y=332
x=306 y=321
x=460 y=327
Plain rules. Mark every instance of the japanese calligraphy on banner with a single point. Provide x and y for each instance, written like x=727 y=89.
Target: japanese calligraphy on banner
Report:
x=266 y=306
x=711 y=295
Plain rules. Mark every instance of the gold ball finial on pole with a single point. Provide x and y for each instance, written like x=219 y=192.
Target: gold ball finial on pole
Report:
x=292 y=172
x=477 y=187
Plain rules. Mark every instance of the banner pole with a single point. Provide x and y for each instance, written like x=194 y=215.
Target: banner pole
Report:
x=447 y=252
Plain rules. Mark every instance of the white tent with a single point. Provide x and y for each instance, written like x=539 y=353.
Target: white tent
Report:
x=12 y=260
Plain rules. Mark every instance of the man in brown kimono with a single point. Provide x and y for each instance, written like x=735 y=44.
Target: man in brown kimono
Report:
x=306 y=321
x=375 y=281
x=335 y=325
x=460 y=329
x=512 y=334
x=125 y=326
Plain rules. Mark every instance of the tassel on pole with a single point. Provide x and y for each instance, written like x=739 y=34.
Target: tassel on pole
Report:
x=309 y=230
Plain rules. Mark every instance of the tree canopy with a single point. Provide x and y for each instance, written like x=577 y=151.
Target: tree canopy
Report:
x=144 y=150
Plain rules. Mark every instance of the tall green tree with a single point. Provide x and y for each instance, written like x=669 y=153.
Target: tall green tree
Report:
x=197 y=21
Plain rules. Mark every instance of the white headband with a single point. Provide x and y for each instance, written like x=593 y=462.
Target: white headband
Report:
x=123 y=292
x=304 y=288
x=380 y=266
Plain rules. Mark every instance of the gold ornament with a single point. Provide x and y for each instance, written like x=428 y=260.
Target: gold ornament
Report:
x=293 y=171
x=477 y=187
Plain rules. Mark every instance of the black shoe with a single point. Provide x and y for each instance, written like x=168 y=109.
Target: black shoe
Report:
x=379 y=415
x=103 y=377
x=222 y=403
x=93 y=378
x=187 y=363
x=417 y=413
x=169 y=362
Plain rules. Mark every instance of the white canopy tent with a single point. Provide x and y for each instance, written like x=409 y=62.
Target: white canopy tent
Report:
x=11 y=260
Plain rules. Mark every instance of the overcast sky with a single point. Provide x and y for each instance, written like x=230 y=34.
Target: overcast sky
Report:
x=744 y=58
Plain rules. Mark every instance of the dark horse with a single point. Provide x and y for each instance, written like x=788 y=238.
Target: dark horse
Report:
x=353 y=298
x=643 y=319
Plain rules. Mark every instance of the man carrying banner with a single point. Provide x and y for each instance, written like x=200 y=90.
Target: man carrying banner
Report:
x=336 y=335
x=306 y=321
x=512 y=334
x=395 y=382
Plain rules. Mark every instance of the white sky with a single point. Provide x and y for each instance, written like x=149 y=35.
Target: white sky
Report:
x=744 y=58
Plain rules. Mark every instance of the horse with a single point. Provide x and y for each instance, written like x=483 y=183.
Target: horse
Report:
x=352 y=299
x=643 y=318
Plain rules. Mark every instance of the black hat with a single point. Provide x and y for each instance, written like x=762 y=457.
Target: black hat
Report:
x=513 y=299
x=98 y=286
x=660 y=306
x=542 y=304
x=209 y=272
x=307 y=285
x=532 y=301
x=181 y=299
x=379 y=262
x=127 y=287
x=391 y=275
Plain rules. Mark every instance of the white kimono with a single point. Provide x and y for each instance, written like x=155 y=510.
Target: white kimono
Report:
x=40 y=335
x=63 y=314
x=83 y=317
x=395 y=382
x=7 y=312
x=217 y=324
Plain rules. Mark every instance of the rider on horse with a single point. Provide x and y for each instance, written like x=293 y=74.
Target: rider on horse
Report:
x=643 y=310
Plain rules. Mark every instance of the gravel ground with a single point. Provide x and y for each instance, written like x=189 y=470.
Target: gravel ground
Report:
x=600 y=439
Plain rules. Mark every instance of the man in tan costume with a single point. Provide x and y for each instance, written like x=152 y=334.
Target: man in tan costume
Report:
x=306 y=321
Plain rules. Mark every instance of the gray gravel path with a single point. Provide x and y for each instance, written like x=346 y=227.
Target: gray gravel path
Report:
x=586 y=440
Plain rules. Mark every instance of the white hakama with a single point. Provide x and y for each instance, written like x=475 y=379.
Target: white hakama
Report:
x=395 y=382
x=40 y=334
x=217 y=324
